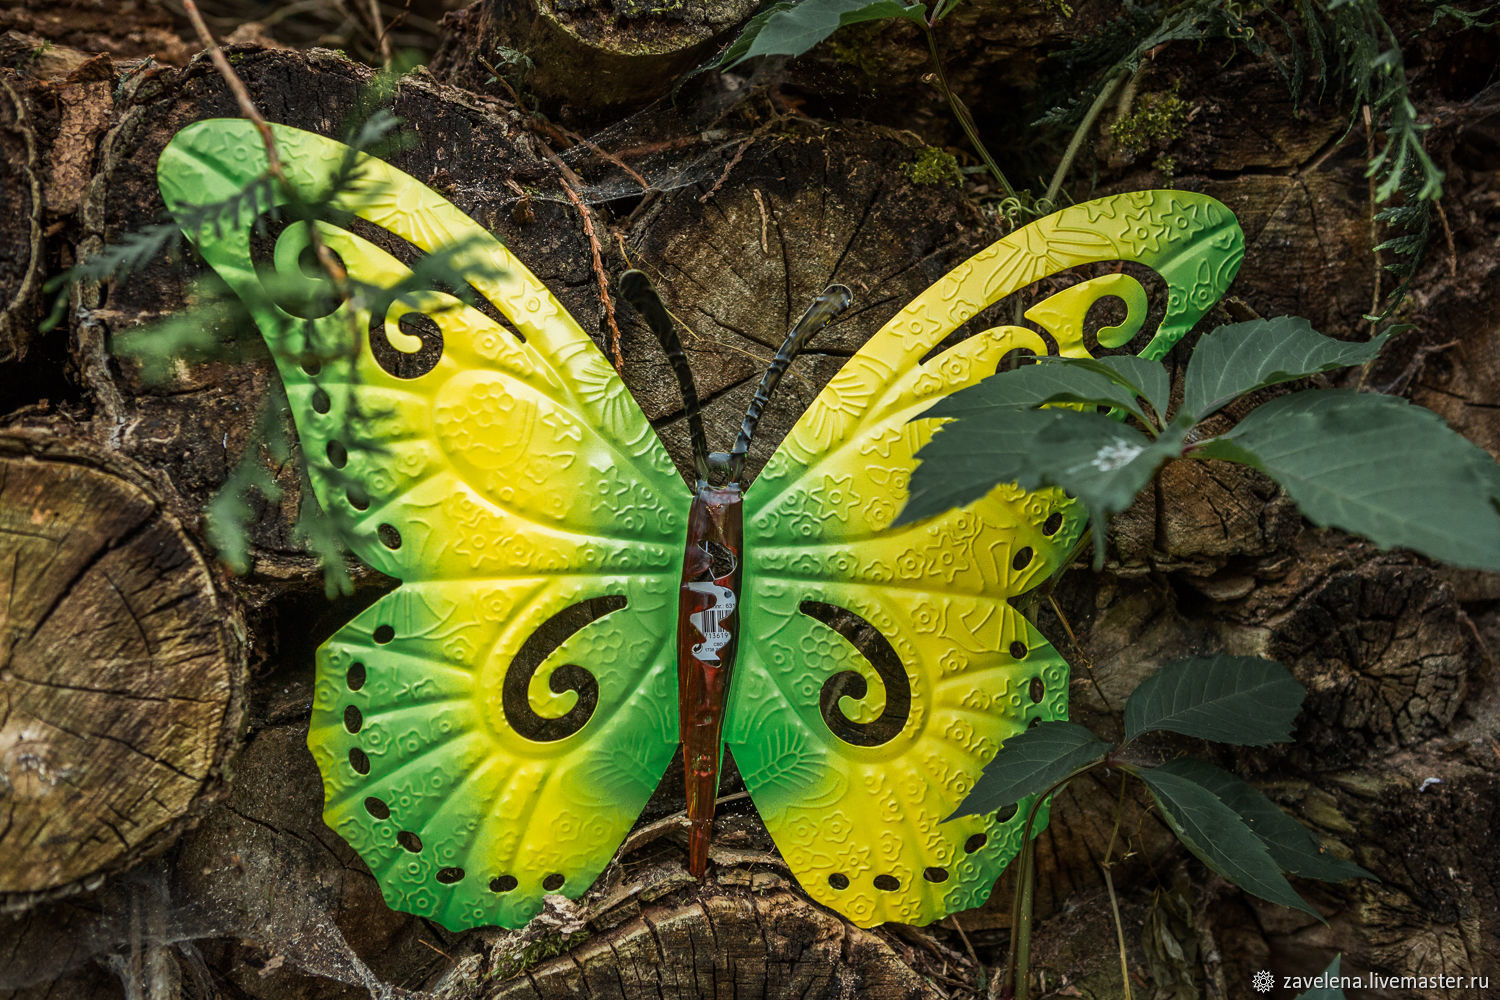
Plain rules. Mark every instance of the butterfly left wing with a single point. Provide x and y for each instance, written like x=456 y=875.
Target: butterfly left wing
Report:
x=483 y=452
x=855 y=763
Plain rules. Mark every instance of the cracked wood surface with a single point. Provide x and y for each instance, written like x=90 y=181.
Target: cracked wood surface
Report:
x=119 y=680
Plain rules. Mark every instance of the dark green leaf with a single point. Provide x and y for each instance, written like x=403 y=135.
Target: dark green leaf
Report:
x=1217 y=836
x=1031 y=762
x=1377 y=466
x=1059 y=381
x=1100 y=461
x=792 y=29
x=739 y=49
x=1142 y=376
x=1230 y=699
x=1292 y=845
x=1243 y=357
x=1330 y=977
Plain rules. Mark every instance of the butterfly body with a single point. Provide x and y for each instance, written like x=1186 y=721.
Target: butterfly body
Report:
x=485 y=455
x=707 y=640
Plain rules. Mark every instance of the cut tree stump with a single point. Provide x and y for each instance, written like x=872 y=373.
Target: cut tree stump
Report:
x=633 y=49
x=120 y=670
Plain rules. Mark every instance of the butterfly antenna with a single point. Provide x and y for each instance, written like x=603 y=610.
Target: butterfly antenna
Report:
x=824 y=310
x=636 y=289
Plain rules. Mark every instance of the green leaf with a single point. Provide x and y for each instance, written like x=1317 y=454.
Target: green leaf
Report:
x=791 y=29
x=1217 y=836
x=1330 y=976
x=1242 y=357
x=1242 y=700
x=739 y=49
x=1376 y=466
x=1031 y=762
x=1142 y=376
x=1100 y=461
x=1293 y=846
x=1049 y=381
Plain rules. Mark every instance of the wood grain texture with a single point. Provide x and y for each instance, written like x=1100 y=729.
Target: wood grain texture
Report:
x=119 y=676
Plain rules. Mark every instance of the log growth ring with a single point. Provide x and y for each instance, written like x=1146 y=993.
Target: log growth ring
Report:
x=121 y=672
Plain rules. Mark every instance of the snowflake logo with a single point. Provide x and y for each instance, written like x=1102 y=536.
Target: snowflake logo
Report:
x=1263 y=981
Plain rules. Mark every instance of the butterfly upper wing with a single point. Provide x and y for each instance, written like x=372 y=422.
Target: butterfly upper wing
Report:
x=504 y=484
x=862 y=823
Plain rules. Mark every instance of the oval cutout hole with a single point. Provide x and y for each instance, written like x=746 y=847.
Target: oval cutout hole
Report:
x=357 y=499
x=389 y=537
x=936 y=874
x=353 y=720
x=1038 y=689
x=975 y=842
x=384 y=634
x=338 y=455
x=375 y=807
x=320 y=401
x=838 y=881
x=1022 y=558
x=1008 y=813
x=553 y=882
x=359 y=761
x=410 y=841
x=448 y=876
x=505 y=883
x=355 y=678
x=1018 y=650
x=1053 y=522
x=887 y=883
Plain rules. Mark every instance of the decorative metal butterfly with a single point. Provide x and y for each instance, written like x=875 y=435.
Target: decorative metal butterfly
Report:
x=487 y=456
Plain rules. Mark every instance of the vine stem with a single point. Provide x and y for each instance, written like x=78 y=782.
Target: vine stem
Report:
x=960 y=112
x=1081 y=133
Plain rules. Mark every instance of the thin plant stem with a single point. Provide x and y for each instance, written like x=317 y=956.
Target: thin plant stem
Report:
x=1023 y=932
x=1109 y=883
x=1020 y=911
x=961 y=113
x=1081 y=133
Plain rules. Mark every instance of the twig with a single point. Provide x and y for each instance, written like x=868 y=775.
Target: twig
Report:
x=381 y=38
x=724 y=174
x=237 y=87
x=326 y=259
x=968 y=945
x=564 y=173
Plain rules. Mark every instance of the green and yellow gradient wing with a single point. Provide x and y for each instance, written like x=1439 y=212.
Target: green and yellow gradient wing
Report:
x=855 y=777
x=492 y=461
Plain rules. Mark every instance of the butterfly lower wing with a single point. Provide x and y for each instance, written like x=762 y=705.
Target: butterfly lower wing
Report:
x=855 y=778
x=480 y=449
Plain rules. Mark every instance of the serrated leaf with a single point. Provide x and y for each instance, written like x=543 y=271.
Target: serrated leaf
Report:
x=792 y=29
x=1329 y=976
x=1293 y=846
x=1217 y=836
x=1376 y=466
x=1031 y=762
x=1142 y=376
x=1098 y=460
x=1242 y=700
x=1242 y=357
x=739 y=48
x=1069 y=380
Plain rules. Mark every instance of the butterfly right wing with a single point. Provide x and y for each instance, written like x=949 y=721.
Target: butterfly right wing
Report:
x=502 y=472
x=854 y=764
